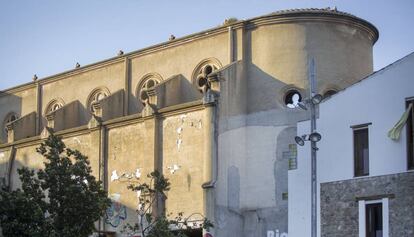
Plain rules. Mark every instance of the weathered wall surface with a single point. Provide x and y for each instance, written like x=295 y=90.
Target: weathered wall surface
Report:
x=183 y=148
x=133 y=148
x=339 y=207
x=88 y=145
x=252 y=180
x=130 y=148
x=25 y=157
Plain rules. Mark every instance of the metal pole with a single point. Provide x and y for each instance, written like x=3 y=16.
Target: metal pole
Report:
x=313 y=92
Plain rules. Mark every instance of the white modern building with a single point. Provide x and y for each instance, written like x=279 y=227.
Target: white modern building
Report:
x=365 y=178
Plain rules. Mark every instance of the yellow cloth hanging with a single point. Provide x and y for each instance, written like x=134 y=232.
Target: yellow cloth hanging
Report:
x=395 y=132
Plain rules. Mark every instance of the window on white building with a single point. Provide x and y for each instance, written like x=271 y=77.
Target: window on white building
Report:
x=373 y=218
x=361 y=150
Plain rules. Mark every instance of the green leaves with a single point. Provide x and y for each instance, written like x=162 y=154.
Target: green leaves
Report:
x=152 y=225
x=22 y=214
x=74 y=199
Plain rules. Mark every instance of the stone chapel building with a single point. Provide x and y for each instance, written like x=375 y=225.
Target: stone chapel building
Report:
x=214 y=111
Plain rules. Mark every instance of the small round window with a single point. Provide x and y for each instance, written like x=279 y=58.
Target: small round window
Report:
x=292 y=98
x=329 y=93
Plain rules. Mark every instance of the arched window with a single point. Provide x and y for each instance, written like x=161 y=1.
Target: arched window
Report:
x=97 y=95
x=10 y=117
x=202 y=70
x=149 y=81
x=53 y=105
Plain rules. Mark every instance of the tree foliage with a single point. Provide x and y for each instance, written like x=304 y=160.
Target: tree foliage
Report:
x=151 y=225
x=63 y=199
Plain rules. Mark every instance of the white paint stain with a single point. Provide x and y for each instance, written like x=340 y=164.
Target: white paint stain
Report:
x=114 y=176
x=2 y=155
x=138 y=173
x=182 y=117
x=179 y=142
x=184 y=120
x=173 y=168
x=77 y=140
x=126 y=175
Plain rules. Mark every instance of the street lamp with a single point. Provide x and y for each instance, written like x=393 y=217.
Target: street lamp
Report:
x=313 y=137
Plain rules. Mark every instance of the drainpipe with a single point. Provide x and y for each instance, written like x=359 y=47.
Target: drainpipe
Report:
x=103 y=165
x=210 y=147
x=210 y=164
x=210 y=171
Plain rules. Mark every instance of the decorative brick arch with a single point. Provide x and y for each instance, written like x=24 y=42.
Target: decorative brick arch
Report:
x=10 y=117
x=202 y=70
x=96 y=95
x=148 y=81
x=54 y=105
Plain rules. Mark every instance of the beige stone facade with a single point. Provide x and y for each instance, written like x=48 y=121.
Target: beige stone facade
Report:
x=208 y=110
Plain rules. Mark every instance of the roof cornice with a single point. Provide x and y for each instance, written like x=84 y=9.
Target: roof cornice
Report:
x=316 y=15
x=279 y=17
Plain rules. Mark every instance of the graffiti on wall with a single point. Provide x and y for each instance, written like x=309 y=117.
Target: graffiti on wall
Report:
x=276 y=233
x=115 y=213
x=291 y=156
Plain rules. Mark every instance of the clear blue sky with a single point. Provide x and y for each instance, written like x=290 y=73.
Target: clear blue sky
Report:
x=45 y=37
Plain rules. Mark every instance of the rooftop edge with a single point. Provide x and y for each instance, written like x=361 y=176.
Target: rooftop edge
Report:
x=288 y=13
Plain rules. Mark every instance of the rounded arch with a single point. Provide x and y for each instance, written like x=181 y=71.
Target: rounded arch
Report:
x=96 y=95
x=203 y=69
x=54 y=105
x=10 y=117
x=148 y=81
